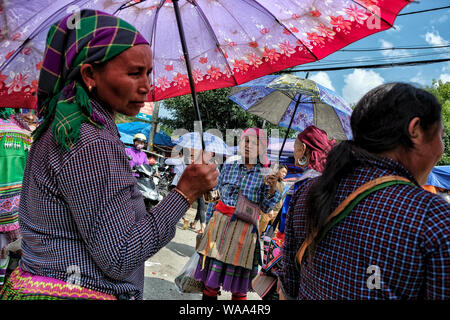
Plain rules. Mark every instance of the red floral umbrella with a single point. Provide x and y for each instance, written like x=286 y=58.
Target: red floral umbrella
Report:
x=232 y=42
x=229 y=42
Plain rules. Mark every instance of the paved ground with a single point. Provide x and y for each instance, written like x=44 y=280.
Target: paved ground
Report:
x=163 y=267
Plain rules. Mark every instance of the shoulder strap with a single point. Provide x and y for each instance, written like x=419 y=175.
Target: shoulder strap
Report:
x=346 y=206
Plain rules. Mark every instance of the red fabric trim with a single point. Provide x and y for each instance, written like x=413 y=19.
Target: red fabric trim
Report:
x=280 y=235
x=17 y=99
x=211 y=292
x=223 y=208
x=238 y=296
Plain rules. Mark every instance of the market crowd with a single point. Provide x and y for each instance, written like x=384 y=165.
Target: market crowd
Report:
x=76 y=226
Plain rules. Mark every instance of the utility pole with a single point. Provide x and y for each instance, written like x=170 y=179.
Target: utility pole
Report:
x=155 y=121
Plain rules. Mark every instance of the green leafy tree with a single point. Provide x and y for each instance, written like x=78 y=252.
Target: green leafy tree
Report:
x=441 y=91
x=217 y=112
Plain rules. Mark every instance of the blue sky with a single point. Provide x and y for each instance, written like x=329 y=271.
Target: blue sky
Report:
x=422 y=29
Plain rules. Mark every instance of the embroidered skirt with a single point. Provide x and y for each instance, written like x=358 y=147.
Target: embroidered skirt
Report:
x=22 y=285
x=229 y=254
x=217 y=274
x=229 y=241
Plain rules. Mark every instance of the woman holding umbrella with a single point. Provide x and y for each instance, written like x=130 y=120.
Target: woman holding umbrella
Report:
x=86 y=232
x=229 y=249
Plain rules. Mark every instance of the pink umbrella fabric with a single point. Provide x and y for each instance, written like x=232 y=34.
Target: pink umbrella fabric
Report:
x=230 y=42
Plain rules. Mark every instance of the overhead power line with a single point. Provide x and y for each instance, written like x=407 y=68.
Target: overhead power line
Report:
x=397 y=57
x=383 y=65
x=422 y=11
x=395 y=48
x=369 y=66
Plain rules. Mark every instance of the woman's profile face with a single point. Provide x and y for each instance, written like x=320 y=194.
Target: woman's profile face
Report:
x=282 y=173
x=428 y=153
x=195 y=155
x=123 y=82
x=250 y=148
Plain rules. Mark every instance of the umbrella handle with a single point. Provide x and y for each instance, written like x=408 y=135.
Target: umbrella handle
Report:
x=188 y=67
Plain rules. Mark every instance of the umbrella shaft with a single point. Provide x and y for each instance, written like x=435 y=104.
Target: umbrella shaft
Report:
x=289 y=128
x=188 y=67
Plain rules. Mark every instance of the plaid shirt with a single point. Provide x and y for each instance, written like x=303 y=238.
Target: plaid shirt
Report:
x=81 y=211
x=234 y=177
x=393 y=245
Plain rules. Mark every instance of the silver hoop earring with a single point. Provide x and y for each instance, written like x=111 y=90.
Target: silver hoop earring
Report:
x=302 y=161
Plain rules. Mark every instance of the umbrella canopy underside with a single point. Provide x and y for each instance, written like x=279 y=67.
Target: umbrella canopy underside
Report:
x=230 y=42
x=309 y=113
x=274 y=98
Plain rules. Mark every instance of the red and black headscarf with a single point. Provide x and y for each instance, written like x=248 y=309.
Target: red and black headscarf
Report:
x=319 y=144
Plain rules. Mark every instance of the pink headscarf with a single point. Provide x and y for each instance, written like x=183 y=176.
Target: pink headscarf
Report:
x=262 y=138
x=317 y=140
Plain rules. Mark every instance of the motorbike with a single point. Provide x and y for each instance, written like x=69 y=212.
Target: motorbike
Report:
x=148 y=185
x=165 y=176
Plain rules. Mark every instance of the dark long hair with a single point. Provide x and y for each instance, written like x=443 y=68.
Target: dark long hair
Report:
x=379 y=123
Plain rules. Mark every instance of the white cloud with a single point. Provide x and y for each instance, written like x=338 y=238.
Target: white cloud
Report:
x=323 y=79
x=445 y=77
x=392 y=53
x=418 y=78
x=358 y=83
x=442 y=18
x=434 y=39
x=446 y=67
